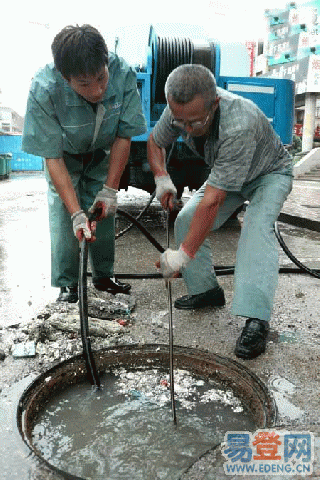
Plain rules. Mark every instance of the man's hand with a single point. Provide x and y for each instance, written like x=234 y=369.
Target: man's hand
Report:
x=165 y=191
x=82 y=228
x=171 y=262
x=105 y=203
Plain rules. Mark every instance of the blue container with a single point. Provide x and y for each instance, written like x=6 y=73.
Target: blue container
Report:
x=275 y=97
x=19 y=161
x=9 y=158
x=3 y=167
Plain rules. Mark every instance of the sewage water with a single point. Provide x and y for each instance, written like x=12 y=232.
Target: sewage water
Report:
x=126 y=430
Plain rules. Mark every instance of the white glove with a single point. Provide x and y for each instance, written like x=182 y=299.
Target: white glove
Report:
x=171 y=262
x=108 y=197
x=164 y=185
x=81 y=222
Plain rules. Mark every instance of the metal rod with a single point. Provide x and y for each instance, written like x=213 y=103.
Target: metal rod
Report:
x=168 y=285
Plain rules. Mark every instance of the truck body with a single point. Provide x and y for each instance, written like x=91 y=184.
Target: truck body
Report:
x=275 y=97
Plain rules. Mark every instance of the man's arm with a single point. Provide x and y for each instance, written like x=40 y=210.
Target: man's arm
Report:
x=63 y=184
x=119 y=156
x=105 y=202
x=62 y=181
x=166 y=191
x=171 y=261
x=156 y=157
x=203 y=219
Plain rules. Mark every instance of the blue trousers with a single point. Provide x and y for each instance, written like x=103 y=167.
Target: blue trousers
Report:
x=256 y=269
x=87 y=181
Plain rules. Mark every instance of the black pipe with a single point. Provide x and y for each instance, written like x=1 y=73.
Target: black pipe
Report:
x=125 y=230
x=92 y=372
x=219 y=269
x=302 y=267
x=145 y=208
x=142 y=229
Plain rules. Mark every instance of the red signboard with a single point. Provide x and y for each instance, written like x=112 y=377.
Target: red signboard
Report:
x=299 y=127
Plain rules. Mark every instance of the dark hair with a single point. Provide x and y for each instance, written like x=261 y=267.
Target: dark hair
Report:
x=79 y=51
x=189 y=80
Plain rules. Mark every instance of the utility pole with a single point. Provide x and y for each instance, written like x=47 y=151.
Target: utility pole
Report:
x=309 y=122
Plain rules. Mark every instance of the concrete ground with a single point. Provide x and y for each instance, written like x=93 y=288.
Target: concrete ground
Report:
x=290 y=367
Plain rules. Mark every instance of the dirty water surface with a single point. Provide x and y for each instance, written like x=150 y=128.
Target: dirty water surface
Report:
x=126 y=429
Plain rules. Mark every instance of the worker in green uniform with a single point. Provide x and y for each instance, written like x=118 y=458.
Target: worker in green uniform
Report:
x=81 y=114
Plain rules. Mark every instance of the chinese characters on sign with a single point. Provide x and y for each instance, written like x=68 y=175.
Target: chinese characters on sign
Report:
x=268 y=452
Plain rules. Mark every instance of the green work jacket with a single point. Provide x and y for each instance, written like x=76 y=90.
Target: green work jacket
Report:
x=58 y=120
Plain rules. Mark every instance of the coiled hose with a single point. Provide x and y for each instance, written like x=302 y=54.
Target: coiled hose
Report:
x=171 y=52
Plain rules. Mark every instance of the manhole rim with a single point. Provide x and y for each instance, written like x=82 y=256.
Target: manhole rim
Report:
x=48 y=377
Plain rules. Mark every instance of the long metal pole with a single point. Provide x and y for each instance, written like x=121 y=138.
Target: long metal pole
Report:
x=168 y=285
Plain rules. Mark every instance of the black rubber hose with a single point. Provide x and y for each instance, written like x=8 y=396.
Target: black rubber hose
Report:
x=147 y=234
x=220 y=270
x=171 y=52
x=125 y=230
x=302 y=267
x=92 y=372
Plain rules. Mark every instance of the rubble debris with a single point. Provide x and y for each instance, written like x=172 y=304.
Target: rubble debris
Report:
x=107 y=306
x=97 y=327
x=55 y=334
x=23 y=350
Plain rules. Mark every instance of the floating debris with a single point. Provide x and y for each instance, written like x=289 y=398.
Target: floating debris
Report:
x=189 y=390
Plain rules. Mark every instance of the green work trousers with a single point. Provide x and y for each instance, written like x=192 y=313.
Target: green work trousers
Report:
x=88 y=176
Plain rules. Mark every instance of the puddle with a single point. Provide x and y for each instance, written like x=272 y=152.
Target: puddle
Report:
x=289 y=336
x=15 y=460
x=282 y=389
x=126 y=430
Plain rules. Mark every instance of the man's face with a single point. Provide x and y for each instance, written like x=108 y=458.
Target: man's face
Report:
x=91 y=87
x=194 y=117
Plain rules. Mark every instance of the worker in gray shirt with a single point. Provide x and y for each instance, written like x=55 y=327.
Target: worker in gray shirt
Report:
x=248 y=163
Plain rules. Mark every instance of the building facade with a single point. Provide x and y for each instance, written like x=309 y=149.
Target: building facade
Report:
x=292 y=50
x=10 y=121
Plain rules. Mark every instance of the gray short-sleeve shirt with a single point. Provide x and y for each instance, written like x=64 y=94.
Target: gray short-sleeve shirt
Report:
x=241 y=146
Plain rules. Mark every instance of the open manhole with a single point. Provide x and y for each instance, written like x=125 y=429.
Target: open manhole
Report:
x=125 y=430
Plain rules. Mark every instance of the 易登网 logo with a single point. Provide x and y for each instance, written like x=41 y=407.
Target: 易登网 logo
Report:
x=268 y=452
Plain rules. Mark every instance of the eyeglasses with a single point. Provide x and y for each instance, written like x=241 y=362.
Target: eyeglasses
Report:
x=197 y=125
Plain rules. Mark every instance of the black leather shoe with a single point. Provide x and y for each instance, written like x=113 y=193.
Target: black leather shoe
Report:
x=111 y=285
x=253 y=339
x=213 y=297
x=68 y=294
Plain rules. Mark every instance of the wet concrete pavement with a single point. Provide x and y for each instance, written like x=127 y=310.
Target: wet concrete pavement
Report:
x=290 y=367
